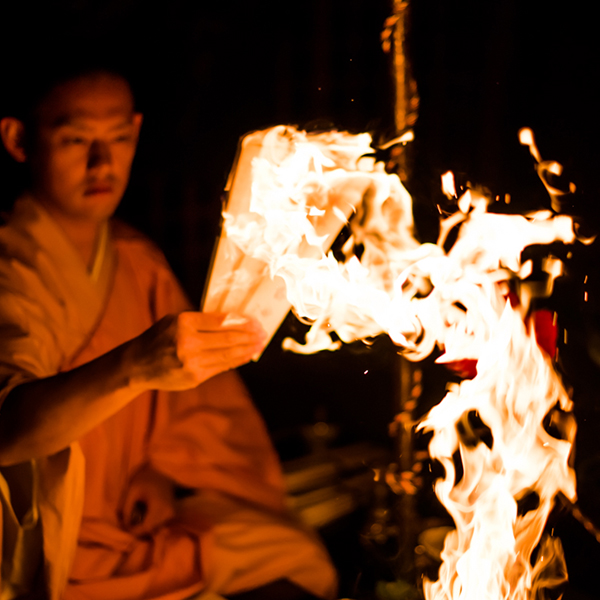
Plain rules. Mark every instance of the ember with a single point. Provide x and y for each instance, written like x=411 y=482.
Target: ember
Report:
x=471 y=301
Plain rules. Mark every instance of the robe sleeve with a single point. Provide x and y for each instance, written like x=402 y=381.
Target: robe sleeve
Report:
x=48 y=304
x=28 y=322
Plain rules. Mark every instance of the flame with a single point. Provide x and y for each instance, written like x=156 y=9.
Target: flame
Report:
x=546 y=169
x=516 y=387
x=305 y=187
x=302 y=191
x=448 y=186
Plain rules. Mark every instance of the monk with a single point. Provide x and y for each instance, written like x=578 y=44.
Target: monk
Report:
x=134 y=465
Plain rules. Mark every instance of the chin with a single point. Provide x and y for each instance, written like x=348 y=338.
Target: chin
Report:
x=101 y=206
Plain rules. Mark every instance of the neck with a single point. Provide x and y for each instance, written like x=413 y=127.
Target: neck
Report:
x=82 y=233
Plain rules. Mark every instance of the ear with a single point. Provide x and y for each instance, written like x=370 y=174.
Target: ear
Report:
x=137 y=123
x=12 y=131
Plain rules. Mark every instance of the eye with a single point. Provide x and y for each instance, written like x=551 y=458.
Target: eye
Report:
x=123 y=138
x=73 y=140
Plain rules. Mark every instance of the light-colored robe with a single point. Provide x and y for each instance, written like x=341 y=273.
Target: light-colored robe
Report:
x=233 y=534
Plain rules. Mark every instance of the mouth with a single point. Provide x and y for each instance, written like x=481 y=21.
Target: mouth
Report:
x=96 y=189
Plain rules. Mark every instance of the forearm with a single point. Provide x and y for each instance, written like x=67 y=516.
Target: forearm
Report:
x=41 y=417
x=44 y=416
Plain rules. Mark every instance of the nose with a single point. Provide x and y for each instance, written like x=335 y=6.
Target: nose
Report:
x=99 y=155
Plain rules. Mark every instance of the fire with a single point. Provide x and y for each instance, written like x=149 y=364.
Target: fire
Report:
x=304 y=189
x=448 y=186
x=516 y=387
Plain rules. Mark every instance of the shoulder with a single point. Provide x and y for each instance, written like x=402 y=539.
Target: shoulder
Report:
x=149 y=267
x=130 y=240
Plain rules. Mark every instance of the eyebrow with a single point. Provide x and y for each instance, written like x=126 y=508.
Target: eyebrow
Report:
x=77 y=122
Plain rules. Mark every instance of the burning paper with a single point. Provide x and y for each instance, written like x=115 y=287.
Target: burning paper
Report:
x=291 y=194
x=472 y=301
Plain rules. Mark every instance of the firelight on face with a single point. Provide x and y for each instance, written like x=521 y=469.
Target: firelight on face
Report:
x=82 y=152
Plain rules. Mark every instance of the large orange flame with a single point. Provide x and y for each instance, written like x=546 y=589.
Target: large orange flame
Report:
x=304 y=189
x=516 y=388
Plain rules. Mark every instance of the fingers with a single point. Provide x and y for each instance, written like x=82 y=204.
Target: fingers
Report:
x=222 y=359
x=182 y=351
x=229 y=336
x=198 y=321
x=197 y=357
x=210 y=343
x=191 y=342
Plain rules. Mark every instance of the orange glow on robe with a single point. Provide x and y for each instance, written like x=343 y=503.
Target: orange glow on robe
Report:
x=233 y=535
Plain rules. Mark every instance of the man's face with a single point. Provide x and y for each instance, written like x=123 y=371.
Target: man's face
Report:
x=83 y=149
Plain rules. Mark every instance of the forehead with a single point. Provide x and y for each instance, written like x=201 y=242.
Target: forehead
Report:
x=98 y=97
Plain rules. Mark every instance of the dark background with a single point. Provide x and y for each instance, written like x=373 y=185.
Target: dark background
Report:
x=208 y=72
